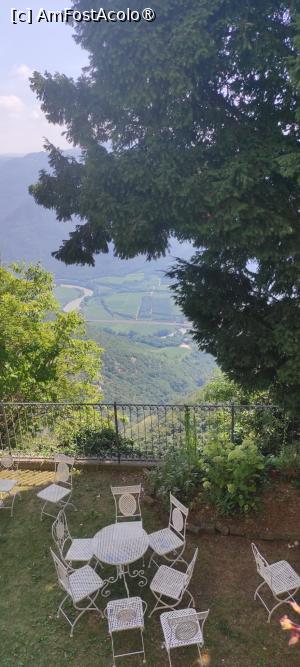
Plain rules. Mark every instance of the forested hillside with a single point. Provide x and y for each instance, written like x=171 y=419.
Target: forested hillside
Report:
x=138 y=373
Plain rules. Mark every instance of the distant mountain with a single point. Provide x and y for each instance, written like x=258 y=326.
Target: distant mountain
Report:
x=30 y=233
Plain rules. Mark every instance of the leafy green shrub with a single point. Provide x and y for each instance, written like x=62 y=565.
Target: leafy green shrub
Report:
x=90 y=441
x=178 y=473
x=288 y=461
x=232 y=473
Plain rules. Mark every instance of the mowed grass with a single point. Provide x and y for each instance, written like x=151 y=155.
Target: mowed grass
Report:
x=237 y=634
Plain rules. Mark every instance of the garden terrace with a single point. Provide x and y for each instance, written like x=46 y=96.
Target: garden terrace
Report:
x=236 y=632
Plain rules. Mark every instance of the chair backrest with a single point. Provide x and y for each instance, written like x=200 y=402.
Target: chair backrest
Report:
x=178 y=517
x=127 y=501
x=184 y=626
x=8 y=462
x=62 y=573
x=261 y=562
x=190 y=567
x=60 y=532
x=63 y=474
x=64 y=458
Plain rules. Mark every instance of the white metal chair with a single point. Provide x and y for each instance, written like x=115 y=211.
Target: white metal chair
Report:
x=79 y=585
x=127 y=502
x=64 y=458
x=171 y=539
x=69 y=549
x=8 y=490
x=280 y=577
x=59 y=492
x=183 y=627
x=172 y=584
x=126 y=614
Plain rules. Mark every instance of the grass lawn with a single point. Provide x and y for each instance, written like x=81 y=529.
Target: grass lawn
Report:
x=237 y=634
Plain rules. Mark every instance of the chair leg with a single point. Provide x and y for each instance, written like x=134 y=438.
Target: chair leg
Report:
x=192 y=601
x=178 y=558
x=142 y=638
x=12 y=505
x=113 y=650
x=160 y=604
x=152 y=559
x=61 y=606
x=169 y=656
x=200 y=656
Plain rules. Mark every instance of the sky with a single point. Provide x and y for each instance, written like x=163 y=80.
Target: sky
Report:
x=23 y=49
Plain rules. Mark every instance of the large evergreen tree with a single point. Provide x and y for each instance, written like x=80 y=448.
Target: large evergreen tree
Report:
x=201 y=109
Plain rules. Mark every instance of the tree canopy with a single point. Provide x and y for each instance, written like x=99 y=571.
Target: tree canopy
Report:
x=43 y=356
x=201 y=109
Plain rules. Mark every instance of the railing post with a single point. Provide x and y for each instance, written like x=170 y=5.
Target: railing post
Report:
x=5 y=426
x=232 y=422
x=117 y=430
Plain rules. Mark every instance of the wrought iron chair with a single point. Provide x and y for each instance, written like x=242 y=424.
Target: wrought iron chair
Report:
x=171 y=539
x=280 y=577
x=70 y=549
x=8 y=490
x=64 y=458
x=127 y=502
x=126 y=614
x=172 y=584
x=183 y=627
x=59 y=492
x=79 y=585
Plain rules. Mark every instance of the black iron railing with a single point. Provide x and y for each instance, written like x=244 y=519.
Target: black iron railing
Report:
x=120 y=431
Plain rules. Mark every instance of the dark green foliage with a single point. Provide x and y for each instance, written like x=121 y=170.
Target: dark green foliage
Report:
x=134 y=372
x=176 y=474
x=232 y=474
x=202 y=111
x=102 y=443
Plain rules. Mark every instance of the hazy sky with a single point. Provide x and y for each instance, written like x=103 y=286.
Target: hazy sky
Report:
x=24 y=48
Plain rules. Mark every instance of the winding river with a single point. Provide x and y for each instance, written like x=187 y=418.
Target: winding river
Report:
x=76 y=303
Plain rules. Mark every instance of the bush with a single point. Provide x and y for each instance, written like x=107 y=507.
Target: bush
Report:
x=288 y=461
x=178 y=473
x=104 y=442
x=232 y=473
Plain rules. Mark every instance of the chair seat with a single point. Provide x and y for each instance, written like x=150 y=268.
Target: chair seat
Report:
x=126 y=614
x=188 y=631
x=84 y=582
x=6 y=485
x=53 y=493
x=281 y=577
x=163 y=541
x=168 y=581
x=80 y=549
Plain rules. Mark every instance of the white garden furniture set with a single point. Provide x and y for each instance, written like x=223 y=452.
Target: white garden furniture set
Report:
x=122 y=544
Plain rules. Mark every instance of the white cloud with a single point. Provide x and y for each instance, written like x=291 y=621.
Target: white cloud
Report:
x=11 y=103
x=36 y=114
x=23 y=72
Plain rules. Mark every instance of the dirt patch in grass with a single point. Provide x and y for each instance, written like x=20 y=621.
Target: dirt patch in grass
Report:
x=278 y=516
x=225 y=578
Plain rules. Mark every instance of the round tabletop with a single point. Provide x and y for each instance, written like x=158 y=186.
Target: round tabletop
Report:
x=121 y=543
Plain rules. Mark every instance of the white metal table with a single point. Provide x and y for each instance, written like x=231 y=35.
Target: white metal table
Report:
x=121 y=544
